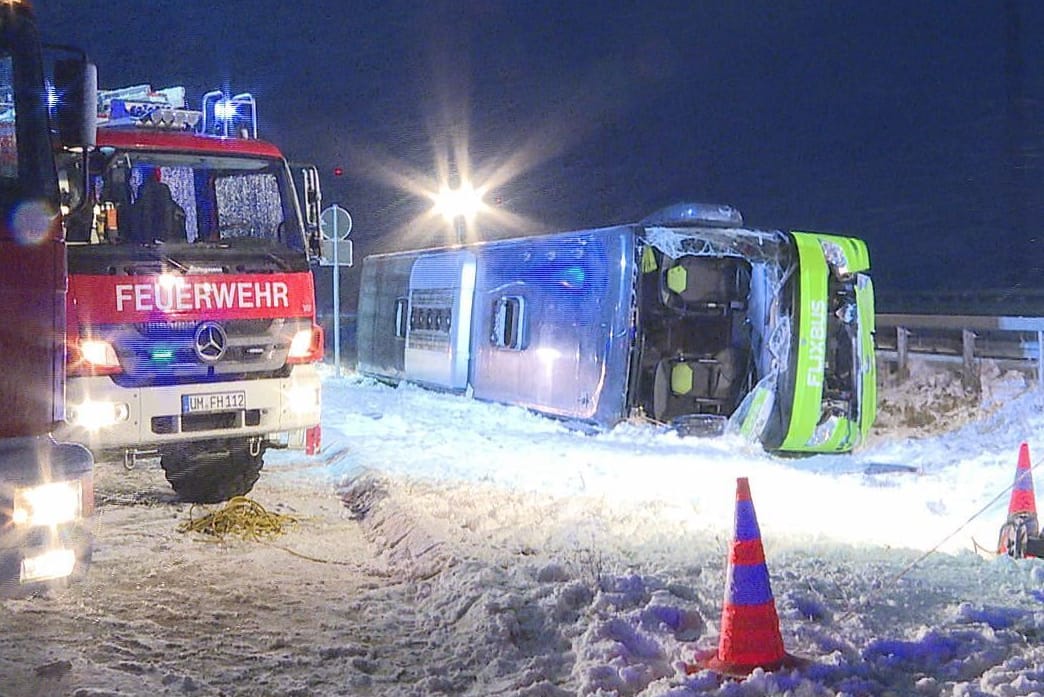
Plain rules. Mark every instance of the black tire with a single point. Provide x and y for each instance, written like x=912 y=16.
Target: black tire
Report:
x=212 y=472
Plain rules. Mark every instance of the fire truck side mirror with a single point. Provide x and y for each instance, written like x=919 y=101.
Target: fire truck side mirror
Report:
x=311 y=204
x=76 y=106
x=313 y=196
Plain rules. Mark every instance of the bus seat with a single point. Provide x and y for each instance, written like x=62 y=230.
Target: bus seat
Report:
x=697 y=384
x=705 y=285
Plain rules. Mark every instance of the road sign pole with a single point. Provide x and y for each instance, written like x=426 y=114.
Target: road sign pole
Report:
x=336 y=302
x=330 y=226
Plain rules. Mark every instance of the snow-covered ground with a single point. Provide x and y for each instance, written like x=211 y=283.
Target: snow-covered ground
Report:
x=898 y=492
x=448 y=546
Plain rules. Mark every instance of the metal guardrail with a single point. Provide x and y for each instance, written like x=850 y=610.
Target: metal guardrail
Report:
x=1013 y=341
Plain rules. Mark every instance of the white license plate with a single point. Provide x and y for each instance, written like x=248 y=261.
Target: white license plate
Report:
x=212 y=401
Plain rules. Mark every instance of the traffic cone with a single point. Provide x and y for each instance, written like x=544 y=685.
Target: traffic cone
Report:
x=1021 y=524
x=750 y=636
x=1022 y=499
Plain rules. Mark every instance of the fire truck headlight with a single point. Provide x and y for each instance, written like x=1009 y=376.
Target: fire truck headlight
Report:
x=300 y=400
x=58 y=563
x=301 y=344
x=48 y=504
x=95 y=415
x=99 y=354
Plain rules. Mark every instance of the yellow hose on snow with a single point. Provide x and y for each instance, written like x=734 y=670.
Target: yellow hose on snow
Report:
x=242 y=517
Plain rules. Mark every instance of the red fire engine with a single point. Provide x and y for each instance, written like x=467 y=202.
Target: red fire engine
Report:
x=192 y=328
x=46 y=487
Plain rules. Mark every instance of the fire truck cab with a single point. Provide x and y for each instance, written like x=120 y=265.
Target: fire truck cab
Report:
x=191 y=303
x=46 y=486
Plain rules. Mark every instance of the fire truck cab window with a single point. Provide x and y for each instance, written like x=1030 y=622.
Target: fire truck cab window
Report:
x=212 y=199
x=8 y=139
x=154 y=215
x=245 y=206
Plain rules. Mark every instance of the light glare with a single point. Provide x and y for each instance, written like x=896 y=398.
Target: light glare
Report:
x=302 y=400
x=225 y=110
x=170 y=281
x=463 y=202
x=99 y=353
x=301 y=344
x=97 y=415
x=47 y=504
x=57 y=563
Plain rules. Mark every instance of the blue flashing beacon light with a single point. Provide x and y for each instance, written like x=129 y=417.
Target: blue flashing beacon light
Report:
x=229 y=116
x=53 y=98
x=225 y=110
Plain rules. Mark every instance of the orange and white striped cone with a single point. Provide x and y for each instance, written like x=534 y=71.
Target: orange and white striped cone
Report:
x=750 y=636
x=1022 y=523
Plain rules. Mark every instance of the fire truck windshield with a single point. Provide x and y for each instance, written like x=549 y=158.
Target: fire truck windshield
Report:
x=147 y=198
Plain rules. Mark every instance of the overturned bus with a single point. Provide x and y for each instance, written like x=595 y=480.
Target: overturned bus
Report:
x=688 y=318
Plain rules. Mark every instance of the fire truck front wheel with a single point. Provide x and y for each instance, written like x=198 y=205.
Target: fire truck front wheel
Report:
x=214 y=471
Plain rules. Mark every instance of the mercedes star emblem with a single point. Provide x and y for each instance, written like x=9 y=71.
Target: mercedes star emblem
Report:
x=210 y=342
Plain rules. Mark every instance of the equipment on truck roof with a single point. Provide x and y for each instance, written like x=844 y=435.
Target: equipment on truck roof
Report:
x=140 y=106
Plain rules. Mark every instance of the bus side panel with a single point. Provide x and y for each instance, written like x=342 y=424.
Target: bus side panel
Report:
x=442 y=288
x=383 y=294
x=551 y=323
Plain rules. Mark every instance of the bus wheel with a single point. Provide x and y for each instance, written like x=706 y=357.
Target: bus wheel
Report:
x=213 y=472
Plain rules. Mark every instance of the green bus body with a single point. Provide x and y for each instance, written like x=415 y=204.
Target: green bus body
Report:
x=833 y=381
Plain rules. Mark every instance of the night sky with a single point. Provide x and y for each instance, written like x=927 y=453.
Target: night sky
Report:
x=915 y=125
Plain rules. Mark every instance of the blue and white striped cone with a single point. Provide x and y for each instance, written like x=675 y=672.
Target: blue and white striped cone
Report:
x=750 y=636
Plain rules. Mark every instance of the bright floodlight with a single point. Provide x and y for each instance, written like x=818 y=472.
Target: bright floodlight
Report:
x=463 y=202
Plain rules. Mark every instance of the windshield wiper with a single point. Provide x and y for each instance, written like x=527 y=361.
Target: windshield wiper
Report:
x=280 y=262
x=175 y=263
